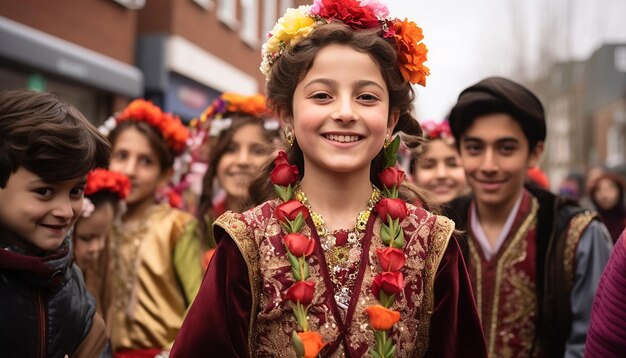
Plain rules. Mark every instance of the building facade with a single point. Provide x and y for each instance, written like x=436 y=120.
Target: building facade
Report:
x=100 y=54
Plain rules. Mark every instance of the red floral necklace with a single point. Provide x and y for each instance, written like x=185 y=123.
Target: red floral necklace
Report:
x=387 y=284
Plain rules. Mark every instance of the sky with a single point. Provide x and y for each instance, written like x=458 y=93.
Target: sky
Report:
x=470 y=40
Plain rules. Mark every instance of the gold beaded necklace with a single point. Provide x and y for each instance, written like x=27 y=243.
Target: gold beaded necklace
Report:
x=338 y=257
x=318 y=220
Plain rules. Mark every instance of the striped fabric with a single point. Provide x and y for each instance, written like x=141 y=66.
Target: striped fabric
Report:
x=607 y=331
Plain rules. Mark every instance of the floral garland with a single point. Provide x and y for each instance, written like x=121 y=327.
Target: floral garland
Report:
x=298 y=23
x=386 y=285
x=292 y=214
x=102 y=179
x=390 y=282
x=170 y=126
x=433 y=130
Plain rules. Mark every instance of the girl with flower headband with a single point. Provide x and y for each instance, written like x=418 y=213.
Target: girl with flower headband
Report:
x=336 y=262
x=438 y=168
x=154 y=269
x=233 y=138
x=104 y=195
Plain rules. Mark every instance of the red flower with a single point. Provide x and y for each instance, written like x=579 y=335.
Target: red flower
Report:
x=391 y=177
x=394 y=207
x=391 y=259
x=301 y=291
x=281 y=158
x=104 y=180
x=350 y=12
x=289 y=211
x=390 y=282
x=284 y=174
x=299 y=245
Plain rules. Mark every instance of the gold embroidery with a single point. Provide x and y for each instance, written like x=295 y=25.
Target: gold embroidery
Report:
x=426 y=236
x=512 y=254
x=442 y=230
x=238 y=231
x=577 y=225
x=478 y=269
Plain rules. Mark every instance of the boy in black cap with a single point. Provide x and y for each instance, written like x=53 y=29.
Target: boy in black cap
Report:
x=534 y=259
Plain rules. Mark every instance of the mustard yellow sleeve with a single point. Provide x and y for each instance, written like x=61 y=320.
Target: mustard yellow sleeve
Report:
x=188 y=261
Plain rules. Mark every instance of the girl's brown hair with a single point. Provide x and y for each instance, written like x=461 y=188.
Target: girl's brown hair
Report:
x=163 y=151
x=293 y=65
x=219 y=147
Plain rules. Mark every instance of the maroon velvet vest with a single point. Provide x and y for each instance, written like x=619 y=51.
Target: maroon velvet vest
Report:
x=505 y=287
x=258 y=235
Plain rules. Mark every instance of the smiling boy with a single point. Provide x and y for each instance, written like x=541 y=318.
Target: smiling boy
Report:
x=534 y=259
x=46 y=149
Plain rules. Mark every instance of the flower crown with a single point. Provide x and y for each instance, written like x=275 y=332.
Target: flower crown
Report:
x=215 y=119
x=104 y=180
x=433 y=130
x=170 y=126
x=298 y=23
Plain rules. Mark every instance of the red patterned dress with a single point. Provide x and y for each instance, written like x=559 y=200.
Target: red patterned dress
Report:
x=240 y=310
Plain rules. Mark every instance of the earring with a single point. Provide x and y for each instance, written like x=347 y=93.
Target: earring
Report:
x=387 y=141
x=289 y=136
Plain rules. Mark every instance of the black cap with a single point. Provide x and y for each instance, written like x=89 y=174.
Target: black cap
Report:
x=499 y=95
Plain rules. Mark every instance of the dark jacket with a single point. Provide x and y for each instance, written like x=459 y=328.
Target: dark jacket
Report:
x=553 y=289
x=45 y=308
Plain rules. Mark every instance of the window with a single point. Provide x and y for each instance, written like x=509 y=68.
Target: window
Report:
x=250 y=22
x=227 y=13
x=269 y=16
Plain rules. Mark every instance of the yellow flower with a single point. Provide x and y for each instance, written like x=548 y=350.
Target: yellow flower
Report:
x=295 y=24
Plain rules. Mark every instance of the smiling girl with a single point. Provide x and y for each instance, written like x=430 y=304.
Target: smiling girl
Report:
x=336 y=262
x=154 y=271
x=438 y=166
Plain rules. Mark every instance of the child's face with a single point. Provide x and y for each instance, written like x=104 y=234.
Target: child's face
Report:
x=439 y=170
x=132 y=155
x=36 y=215
x=494 y=153
x=341 y=112
x=90 y=234
x=242 y=159
x=607 y=194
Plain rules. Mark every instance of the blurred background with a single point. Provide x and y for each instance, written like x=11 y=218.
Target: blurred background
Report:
x=181 y=54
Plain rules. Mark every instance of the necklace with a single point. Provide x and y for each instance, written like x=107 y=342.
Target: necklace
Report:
x=342 y=257
x=320 y=225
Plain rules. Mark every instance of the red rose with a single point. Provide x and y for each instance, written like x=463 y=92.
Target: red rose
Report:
x=391 y=177
x=350 y=12
x=281 y=158
x=301 y=291
x=390 y=282
x=284 y=174
x=299 y=245
x=391 y=259
x=394 y=207
x=289 y=211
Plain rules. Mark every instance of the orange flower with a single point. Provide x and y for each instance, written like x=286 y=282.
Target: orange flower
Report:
x=411 y=53
x=171 y=128
x=312 y=342
x=381 y=318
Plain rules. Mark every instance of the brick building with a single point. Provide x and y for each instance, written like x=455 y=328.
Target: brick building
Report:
x=100 y=54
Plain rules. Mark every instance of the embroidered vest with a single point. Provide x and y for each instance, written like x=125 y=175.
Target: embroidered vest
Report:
x=505 y=287
x=258 y=235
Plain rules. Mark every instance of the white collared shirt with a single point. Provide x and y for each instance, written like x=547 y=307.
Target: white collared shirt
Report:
x=479 y=234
